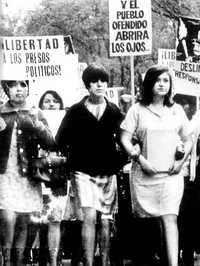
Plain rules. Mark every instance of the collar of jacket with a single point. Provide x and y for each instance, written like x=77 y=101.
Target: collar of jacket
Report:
x=8 y=108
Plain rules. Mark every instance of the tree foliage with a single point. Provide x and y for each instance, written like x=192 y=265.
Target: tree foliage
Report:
x=7 y=25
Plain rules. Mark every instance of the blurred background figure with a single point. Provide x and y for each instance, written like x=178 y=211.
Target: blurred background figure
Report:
x=188 y=102
x=51 y=100
x=54 y=200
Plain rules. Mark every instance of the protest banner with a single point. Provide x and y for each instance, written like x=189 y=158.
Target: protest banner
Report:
x=185 y=80
x=167 y=57
x=67 y=87
x=130 y=30
x=112 y=95
x=130 y=27
x=188 y=39
x=187 y=65
x=31 y=57
x=186 y=75
x=43 y=61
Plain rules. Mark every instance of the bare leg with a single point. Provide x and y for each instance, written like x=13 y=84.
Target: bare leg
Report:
x=105 y=241
x=7 y=224
x=170 y=231
x=21 y=229
x=88 y=235
x=53 y=242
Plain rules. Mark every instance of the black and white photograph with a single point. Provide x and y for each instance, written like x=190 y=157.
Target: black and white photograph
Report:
x=99 y=133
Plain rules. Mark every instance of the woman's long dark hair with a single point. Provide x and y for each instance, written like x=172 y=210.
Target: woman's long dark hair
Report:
x=55 y=95
x=150 y=79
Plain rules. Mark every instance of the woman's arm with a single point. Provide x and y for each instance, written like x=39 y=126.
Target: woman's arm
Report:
x=178 y=164
x=126 y=140
x=135 y=153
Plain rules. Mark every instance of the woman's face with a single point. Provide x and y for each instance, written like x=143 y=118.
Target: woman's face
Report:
x=98 y=88
x=17 y=92
x=50 y=102
x=162 y=85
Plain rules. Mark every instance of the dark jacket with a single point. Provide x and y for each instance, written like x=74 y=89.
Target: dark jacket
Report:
x=91 y=143
x=30 y=135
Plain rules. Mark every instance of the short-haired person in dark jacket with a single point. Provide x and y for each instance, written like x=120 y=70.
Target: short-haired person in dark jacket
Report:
x=20 y=195
x=89 y=133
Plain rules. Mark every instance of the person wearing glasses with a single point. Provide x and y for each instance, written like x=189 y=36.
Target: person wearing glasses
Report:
x=89 y=133
x=20 y=194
